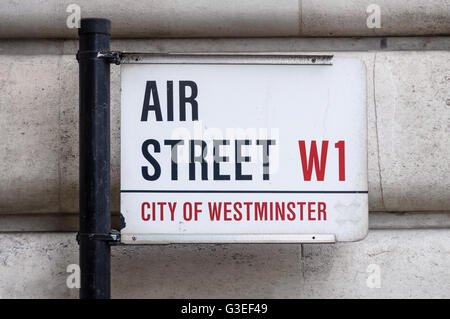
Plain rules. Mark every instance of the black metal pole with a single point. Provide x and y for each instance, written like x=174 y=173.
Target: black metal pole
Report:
x=95 y=219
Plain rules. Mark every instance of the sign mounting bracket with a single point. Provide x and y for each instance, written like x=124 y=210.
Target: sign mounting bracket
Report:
x=111 y=56
x=225 y=58
x=112 y=237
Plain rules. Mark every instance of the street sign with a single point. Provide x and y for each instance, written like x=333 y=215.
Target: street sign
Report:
x=243 y=148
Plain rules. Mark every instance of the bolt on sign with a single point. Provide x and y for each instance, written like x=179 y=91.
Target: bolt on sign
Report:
x=243 y=148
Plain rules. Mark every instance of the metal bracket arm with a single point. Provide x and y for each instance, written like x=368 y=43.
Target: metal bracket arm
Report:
x=109 y=56
x=113 y=237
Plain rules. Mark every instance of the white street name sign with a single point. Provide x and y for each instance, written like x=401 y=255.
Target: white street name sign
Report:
x=243 y=149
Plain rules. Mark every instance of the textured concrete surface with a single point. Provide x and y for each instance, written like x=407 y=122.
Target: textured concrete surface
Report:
x=175 y=18
x=412 y=264
x=233 y=18
x=408 y=121
x=412 y=96
x=29 y=129
x=401 y=17
x=414 y=220
x=68 y=47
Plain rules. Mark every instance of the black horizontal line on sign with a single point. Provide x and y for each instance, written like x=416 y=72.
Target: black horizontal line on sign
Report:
x=241 y=191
